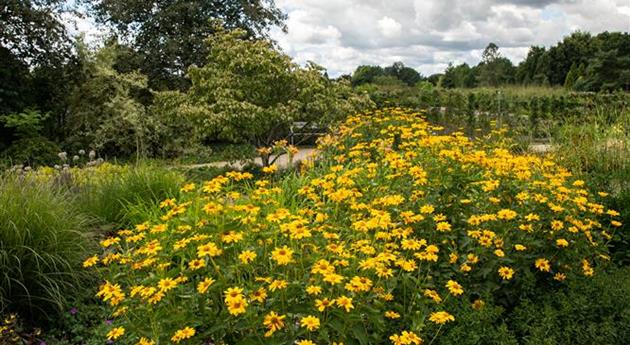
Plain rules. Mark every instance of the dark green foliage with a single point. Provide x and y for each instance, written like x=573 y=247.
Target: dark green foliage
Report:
x=403 y=73
x=42 y=243
x=368 y=74
x=33 y=151
x=580 y=61
x=486 y=326
x=494 y=70
x=458 y=76
x=589 y=311
x=33 y=32
x=168 y=36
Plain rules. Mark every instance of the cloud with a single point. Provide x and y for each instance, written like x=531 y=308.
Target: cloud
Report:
x=428 y=34
x=389 y=27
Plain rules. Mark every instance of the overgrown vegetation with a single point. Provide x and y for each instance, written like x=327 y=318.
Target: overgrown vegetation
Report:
x=42 y=243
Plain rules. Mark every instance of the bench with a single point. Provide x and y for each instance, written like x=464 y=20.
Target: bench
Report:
x=305 y=129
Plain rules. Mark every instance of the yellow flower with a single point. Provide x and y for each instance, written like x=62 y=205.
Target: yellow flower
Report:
x=561 y=242
x=519 y=247
x=345 y=303
x=432 y=294
x=247 y=256
x=273 y=322
x=390 y=314
x=196 y=264
x=187 y=187
x=278 y=284
x=506 y=214
x=443 y=226
x=441 y=317
x=115 y=333
x=559 y=276
x=543 y=265
x=185 y=333
x=406 y=338
x=270 y=169
x=91 y=261
x=259 y=295
x=305 y=342
x=145 y=341
x=203 y=285
x=478 y=304
x=310 y=322
x=237 y=306
x=427 y=209
x=167 y=284
x=208 y=249
x=234 y=293
x=283 y=256
x=506 y=272
x=322 y=304
x=313 y=290
x=454 y=288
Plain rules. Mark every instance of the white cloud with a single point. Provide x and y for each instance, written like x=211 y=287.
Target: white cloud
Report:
x=427 y=34
x=389 y=27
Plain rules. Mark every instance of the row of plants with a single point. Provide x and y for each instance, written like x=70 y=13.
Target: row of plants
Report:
x=529 y=111
x=394 y=235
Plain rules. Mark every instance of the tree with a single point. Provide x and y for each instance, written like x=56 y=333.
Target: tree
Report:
x=405 y=74
x=535 y=67
x=32 y=31
x=104 y=111
x=250 y=92
x=458 y=76
x=494 y=70
x=168 y=35
x=34 y=49
x=607 y=71
x=577 y=48
x=490 y=54
x=365 y=74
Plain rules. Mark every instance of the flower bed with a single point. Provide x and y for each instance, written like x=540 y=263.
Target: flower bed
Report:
x=381 y=240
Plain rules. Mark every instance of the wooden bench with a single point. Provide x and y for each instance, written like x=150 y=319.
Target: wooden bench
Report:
x=305 y=129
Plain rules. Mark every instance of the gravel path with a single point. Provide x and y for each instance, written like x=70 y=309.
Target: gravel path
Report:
x=282 y=162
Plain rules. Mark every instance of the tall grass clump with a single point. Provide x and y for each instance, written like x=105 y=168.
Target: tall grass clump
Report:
x=120 y=197
x=599 y=151
x=42 y=244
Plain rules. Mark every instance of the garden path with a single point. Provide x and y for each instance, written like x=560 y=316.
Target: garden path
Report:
x=281 y=162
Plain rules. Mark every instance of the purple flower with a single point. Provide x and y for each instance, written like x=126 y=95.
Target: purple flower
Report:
x=73 y=311
x=109 y=322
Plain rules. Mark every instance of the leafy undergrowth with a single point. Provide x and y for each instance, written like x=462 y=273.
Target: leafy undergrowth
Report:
x=392 y=236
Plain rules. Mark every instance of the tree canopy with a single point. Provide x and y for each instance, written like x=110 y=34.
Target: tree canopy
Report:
x=251 y=92
x=167 y=36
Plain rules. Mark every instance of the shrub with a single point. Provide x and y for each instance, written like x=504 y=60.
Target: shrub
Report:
x=33 y=151
x=391 y=233
x=587 y=311
x=483 y=325
x=42 y=243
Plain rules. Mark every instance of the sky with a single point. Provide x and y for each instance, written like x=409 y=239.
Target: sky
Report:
x=428 y=34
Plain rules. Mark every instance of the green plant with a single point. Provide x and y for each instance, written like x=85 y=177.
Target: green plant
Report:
x=119 y=198
x=588 y=311
x=43 y=240
x=33 y=151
